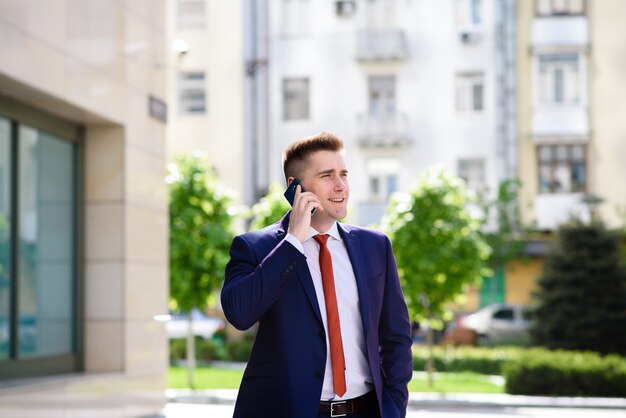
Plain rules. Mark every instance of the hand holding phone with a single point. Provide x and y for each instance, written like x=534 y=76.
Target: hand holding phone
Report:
x=290 y=193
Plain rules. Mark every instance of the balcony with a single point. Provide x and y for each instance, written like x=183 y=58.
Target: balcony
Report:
x=551 y=210
x=382 y=45
x=560 y=31
x=560 y=121
x=383 y=131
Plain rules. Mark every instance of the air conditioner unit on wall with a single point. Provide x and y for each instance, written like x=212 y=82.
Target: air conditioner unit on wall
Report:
x=468 y=36
x=345 y=8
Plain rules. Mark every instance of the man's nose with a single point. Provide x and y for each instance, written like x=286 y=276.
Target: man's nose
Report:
x=340 y=184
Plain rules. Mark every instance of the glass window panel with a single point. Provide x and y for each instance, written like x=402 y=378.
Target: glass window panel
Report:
x=382 y=95
x=374 y=186
x=578 y=176
x=478 y=96
x=562 y=178
x=543 y=7
x=576 y=6
x=559 y=79
x=46 y=244
x=545 y=153
x=191 y=14
x=476 y=11
x=296 y=98
x=561 y=152
x=469 y=92
x=392 y=184
x=545 y=179
x=5 y=222
x=578 y=152
x=559 y=5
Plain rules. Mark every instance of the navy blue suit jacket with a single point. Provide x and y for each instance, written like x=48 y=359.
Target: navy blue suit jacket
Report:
x=268 y=281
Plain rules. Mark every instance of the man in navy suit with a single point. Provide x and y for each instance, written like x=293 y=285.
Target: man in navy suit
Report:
x=319 y=353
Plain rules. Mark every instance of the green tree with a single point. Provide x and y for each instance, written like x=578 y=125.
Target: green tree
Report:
x=200 y=237
x=580 y=303
x=438 y=247
x=271 y=208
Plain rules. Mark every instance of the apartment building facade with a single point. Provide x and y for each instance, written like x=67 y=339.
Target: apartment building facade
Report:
x=571 y=133
x=206 y=87
x=407 y=84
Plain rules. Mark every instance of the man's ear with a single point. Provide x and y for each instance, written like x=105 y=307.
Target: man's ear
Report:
x=289 y=180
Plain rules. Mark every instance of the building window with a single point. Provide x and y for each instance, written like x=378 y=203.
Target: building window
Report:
x=562 y=168
x=190 y=14
x=559 y=7
x=473 y=172
x=191 y=93
x=295 y=17
x=295 y=98
x=37 y=247
x=383 y=178
x=5 y=238
x=469 y=13
x=470 y=92
x=382 y=95
x=559 y=80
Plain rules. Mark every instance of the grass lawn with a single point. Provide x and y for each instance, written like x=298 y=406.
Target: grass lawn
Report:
x=213 y=378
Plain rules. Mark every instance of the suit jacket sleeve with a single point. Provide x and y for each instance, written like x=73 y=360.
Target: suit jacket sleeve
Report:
x=253 y=285
x=395 y=344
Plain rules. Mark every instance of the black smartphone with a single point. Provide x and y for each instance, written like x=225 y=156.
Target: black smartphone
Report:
x=290 y=193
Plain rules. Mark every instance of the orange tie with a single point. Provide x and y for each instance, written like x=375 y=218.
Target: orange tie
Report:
x=332 y=316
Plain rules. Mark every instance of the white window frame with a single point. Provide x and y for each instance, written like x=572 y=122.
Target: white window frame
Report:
x=559 y=167
x=545 y=80
x=469 y=14
x=382 y=171
x=296 y=98
x=560 y=7
x=384 y=104
x=187 y=17
x=192 y=93
x=296 y=16
x=466 y=86
x=472 y=170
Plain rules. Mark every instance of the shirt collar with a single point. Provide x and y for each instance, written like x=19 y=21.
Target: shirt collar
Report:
x=333 y=232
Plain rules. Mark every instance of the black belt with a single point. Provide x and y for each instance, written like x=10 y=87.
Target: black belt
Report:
x=342 y=408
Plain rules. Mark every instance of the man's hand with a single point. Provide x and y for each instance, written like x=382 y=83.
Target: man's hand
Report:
x=300 y=219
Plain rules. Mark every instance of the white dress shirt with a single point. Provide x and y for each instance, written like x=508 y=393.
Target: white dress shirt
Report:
x=358 y=375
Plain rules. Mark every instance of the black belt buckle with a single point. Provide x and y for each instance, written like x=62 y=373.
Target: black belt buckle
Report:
x=332 y=406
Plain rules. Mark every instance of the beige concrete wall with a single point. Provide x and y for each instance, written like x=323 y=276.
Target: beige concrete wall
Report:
x=521 y=277
x=217 y=50
x=95 y=63
x=607 y=103
x=527 y=158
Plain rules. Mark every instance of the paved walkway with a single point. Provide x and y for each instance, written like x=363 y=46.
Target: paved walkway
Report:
x=427 y=400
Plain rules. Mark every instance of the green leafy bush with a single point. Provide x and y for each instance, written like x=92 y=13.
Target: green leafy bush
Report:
x=206 y=350
x=239 y=350
x=565 y=373
x=466 y=359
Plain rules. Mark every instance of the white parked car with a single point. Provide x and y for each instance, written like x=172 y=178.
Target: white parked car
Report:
x=499 y=322
x=203 y=326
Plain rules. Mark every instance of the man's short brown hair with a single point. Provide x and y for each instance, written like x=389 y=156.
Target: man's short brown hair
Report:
x=295 y=155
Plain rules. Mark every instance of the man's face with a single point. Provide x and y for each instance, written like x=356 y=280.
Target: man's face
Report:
x=326 y=176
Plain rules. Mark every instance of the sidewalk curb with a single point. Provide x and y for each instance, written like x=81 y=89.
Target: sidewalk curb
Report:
x=428 y=400
x=474 y=400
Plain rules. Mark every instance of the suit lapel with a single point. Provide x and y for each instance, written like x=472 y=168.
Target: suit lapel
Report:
x=356 y=258
x=303 y=273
